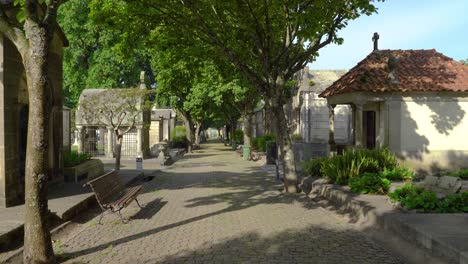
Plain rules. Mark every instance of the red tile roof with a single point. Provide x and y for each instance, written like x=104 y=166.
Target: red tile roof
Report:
x=403 y=71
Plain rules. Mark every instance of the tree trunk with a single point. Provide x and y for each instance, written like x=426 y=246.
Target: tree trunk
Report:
x=188 y=131
x=118 y=150
x=197 y=133
x=37 y=241
x=283 y=138
x=248 y=131
x=269 y=122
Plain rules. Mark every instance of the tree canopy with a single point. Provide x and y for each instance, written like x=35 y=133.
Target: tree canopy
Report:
x=266 y=41
x=94 y=58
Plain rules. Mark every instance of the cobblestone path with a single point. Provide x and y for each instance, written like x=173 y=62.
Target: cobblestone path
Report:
x=212 y=207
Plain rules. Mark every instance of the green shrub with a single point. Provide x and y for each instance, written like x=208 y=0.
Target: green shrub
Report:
x=461 y=174
x=178 y=131
x=178 y=137
x=413 y=197
x=254 y=143
x=261 y=141
x=354 y=162
x=312 y=167
x=398 y=174
x=370 y=183
x=407 y=190
x=74 y=158
x=454 y=203
x=239 y=136
x=425 y=202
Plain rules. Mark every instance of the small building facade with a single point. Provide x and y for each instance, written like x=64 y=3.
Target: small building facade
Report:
x=14 y=111
x=96 y=135
x=161 y=127
x=309 y=112
x=413 y=101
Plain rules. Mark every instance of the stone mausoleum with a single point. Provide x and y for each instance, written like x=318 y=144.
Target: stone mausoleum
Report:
x=14 y=113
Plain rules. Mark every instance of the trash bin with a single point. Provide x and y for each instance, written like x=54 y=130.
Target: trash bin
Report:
x=139 y=163
x=271 y=152
x=246 y=152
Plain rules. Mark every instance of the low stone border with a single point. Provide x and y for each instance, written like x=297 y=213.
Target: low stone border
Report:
x=377 y=211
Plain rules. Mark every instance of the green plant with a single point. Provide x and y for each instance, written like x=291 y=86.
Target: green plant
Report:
x=312 y=167
x=354 y=162
x=461 y=174
x=74 y=158
x=371 y=183
x=254 y=143
x=425 y=201
x=398 y=174
x=178 y=131
x=239 y=136
x=454 y=203
x=261 y=141
x=407 y=190
x=178 y=137
x=296 y=137
x=413 y=197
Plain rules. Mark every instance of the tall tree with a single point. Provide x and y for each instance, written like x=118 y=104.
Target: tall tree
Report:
x=94 y=58
x=30 y=25
x=465 y=62
x=268 y=41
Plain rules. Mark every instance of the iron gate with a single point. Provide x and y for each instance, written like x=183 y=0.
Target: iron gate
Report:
x=95 y=141
x=129 y=144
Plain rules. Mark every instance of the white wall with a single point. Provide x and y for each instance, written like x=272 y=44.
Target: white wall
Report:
x=433 y=130
x=314 y=121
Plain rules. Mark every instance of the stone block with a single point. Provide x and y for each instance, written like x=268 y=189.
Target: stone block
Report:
x=87 y=170
x=450 y=183
x=444 y=185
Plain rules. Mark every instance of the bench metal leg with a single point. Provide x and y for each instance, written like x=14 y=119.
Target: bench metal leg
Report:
x=136 y=200
x=121 y=217
x=102 y=215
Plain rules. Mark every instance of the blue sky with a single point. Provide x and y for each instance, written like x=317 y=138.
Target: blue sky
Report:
x=402 y=24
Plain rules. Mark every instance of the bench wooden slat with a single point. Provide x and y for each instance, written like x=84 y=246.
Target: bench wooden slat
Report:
x=126 y=198
x=111 y=192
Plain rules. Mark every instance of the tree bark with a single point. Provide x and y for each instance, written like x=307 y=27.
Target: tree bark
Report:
x=37 y=241
x=197 y=133
x=248 y=131
x=118 y=150
x=283 y=138
x=188 y=131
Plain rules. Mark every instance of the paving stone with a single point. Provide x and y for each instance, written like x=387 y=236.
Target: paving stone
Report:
x=213 y=207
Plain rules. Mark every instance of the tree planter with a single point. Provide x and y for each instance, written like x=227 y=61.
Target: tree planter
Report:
x=88 y=170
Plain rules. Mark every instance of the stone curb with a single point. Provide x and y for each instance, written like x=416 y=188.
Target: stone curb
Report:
x=368 y=216
x=362 y=213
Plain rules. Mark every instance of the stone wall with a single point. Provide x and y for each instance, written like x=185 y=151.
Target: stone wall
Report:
x=13 y=120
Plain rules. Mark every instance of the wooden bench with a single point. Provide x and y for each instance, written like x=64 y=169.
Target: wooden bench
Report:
x=111 y=194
